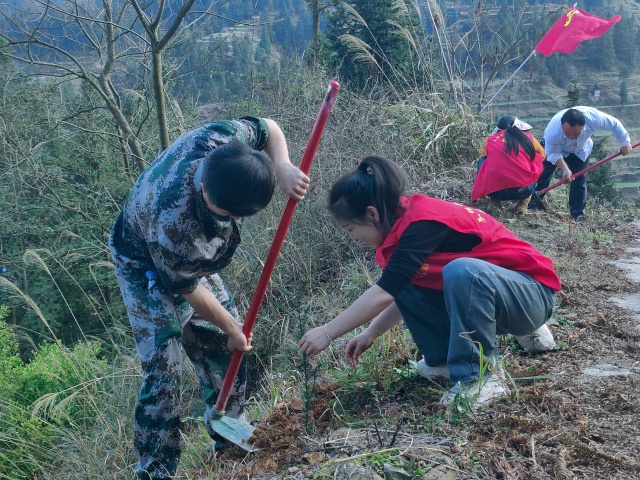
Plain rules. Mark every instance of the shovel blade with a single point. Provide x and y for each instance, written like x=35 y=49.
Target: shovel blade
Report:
x=235 y=430
x=540 y=203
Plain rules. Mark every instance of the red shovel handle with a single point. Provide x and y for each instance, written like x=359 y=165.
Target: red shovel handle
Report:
x=276 y=244
x=590 y=167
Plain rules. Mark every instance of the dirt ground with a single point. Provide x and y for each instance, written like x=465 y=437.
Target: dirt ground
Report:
x=574 y=412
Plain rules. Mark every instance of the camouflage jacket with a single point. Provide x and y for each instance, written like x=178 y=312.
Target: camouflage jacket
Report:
x=165 y=226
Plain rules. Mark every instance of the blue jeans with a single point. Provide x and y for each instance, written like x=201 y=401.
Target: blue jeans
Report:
x=577 y=188
x=479 y=301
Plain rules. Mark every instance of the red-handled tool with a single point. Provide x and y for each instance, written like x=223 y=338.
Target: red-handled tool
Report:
x=236 y=430
x=536 y=195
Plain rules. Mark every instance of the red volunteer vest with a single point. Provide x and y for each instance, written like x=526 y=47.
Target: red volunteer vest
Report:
x=498 y=245
x=500 y=171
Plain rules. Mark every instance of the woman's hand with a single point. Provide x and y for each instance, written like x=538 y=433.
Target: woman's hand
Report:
x=314 y=341
x=369 y=305
x=357 y=346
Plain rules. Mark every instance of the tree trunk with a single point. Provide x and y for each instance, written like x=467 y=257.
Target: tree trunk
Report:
x=315 y=11
x=159 y=94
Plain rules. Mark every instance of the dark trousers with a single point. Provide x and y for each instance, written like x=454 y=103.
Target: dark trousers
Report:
x=577 y=188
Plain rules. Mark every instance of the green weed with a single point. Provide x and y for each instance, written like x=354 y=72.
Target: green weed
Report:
x=377 y=461
x=381 y=368
x=564 y=321
x=533 y=368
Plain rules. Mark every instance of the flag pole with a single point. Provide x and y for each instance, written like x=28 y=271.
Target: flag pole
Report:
x=558 y=40
x=508 y=80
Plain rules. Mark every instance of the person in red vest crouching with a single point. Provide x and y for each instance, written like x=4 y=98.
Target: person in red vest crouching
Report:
x=510 y=165
x=455 y=275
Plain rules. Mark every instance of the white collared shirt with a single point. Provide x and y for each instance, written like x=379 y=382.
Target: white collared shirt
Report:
x=558 y=146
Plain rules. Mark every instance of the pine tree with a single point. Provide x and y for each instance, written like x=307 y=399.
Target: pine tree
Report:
x=624 y=94
x=367 y=40
x=573 y=95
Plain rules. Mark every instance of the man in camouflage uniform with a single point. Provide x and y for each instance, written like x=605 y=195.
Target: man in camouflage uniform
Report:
x=167 y=244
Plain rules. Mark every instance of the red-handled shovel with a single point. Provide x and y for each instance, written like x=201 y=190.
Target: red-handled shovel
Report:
x=536 y=195
x=236 y=430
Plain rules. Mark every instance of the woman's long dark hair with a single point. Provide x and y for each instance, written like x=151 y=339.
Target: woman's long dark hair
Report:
x=377 y=182
x=514 y=138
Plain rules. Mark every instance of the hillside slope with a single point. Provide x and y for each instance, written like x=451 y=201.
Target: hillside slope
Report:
x=573 y=412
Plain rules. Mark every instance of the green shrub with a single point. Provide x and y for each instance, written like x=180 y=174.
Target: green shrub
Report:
x=57 y=370
x=9 y=357
x=39 y=397
x=600 y=178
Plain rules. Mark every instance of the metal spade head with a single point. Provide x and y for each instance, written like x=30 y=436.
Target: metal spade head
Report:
x=235 y=430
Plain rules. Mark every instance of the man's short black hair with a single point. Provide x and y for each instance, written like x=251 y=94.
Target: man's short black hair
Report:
x=573 y=117
x=238 y=179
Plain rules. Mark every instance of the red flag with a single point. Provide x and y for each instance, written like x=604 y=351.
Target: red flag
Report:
x=573 y=27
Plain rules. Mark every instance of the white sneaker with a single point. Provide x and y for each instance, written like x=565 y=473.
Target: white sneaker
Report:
x=432 y=373
x=539 y=341
x=479 y=393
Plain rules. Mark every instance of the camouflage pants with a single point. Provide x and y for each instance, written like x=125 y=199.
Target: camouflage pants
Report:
x=161 y=321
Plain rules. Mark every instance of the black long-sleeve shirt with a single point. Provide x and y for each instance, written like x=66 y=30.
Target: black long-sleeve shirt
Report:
x=416 y=243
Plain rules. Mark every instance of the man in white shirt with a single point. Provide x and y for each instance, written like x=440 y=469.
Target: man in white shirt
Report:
x=567 y=141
